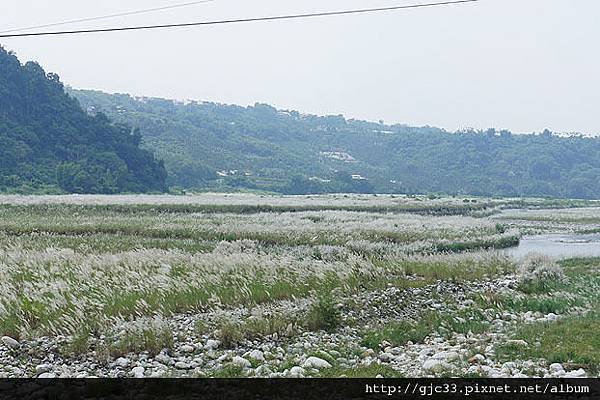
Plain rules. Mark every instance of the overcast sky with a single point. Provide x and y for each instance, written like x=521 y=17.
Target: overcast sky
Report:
x=523 y=65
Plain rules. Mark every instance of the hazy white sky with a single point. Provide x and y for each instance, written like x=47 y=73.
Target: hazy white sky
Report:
x=523 y=65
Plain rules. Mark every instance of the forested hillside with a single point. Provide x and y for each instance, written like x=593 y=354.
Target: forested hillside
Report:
x=214 y=146
x=49 y=144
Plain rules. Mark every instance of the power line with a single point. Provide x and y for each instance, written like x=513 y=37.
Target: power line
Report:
x=242 y=20
x=123 y=14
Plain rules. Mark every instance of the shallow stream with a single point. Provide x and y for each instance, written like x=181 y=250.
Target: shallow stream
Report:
x=558 y=245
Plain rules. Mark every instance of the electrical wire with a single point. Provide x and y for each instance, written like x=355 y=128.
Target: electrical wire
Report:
x=123 y=14
x=241 y=20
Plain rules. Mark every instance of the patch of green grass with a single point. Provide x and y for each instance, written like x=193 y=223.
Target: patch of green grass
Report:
x=288 y=363
x=108 y=243
x=228 y=371
x=540 y=286
x=79 y=344
x=464 y=321
x=460 y=269
x=545 y=304
x=150 y=340
x=201 y=327
x=480 y=243
x=577 y=267
x=371 y=371
x=261 y=327
x=401 y=332
x=579 y=288
x=9 y=324
x=323 y=314
x=232 y=333
x=573 y=340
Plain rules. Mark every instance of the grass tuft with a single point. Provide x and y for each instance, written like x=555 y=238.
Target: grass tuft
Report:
x=540 y=274
x=574 y=340
x=323 y=314
x=370 y=371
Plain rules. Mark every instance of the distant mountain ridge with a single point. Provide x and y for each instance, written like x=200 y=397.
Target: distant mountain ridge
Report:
x=212 y=146
x=49 y=144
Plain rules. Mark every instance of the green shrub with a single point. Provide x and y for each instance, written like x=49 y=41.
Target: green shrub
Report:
x=323 y=314
x=230 y=333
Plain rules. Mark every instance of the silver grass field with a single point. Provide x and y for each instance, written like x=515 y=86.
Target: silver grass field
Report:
x=121 y=267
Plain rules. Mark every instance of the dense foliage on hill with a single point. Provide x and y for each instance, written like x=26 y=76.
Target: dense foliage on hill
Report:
x=214 y=146
x=48 y=143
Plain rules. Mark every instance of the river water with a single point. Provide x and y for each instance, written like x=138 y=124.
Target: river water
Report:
x=558 y=246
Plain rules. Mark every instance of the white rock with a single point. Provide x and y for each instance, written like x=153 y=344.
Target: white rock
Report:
x=528 y=364
x=222 y=358
x=494 y=373
x=241 y=362
x=477 y=358
x=316 y=362
x=396 y=351
x=257 y=355
x=579 y=373
x=211 y=344
x=436 y=366
x=47 y=375
x=551 y=317
x=40 y=369
x=138 y=372
x=556 y=367
x=182 y=365
x=163 y=359
x=186 y=348
x=263 y=370
x=297 y=372
x=122 y=362
x=425 y=353
x=367 y=353
x=518 y=342
x=386 y=357
x=446 y=356
x=473 y=369
x=10 y=342
x=509 y=365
